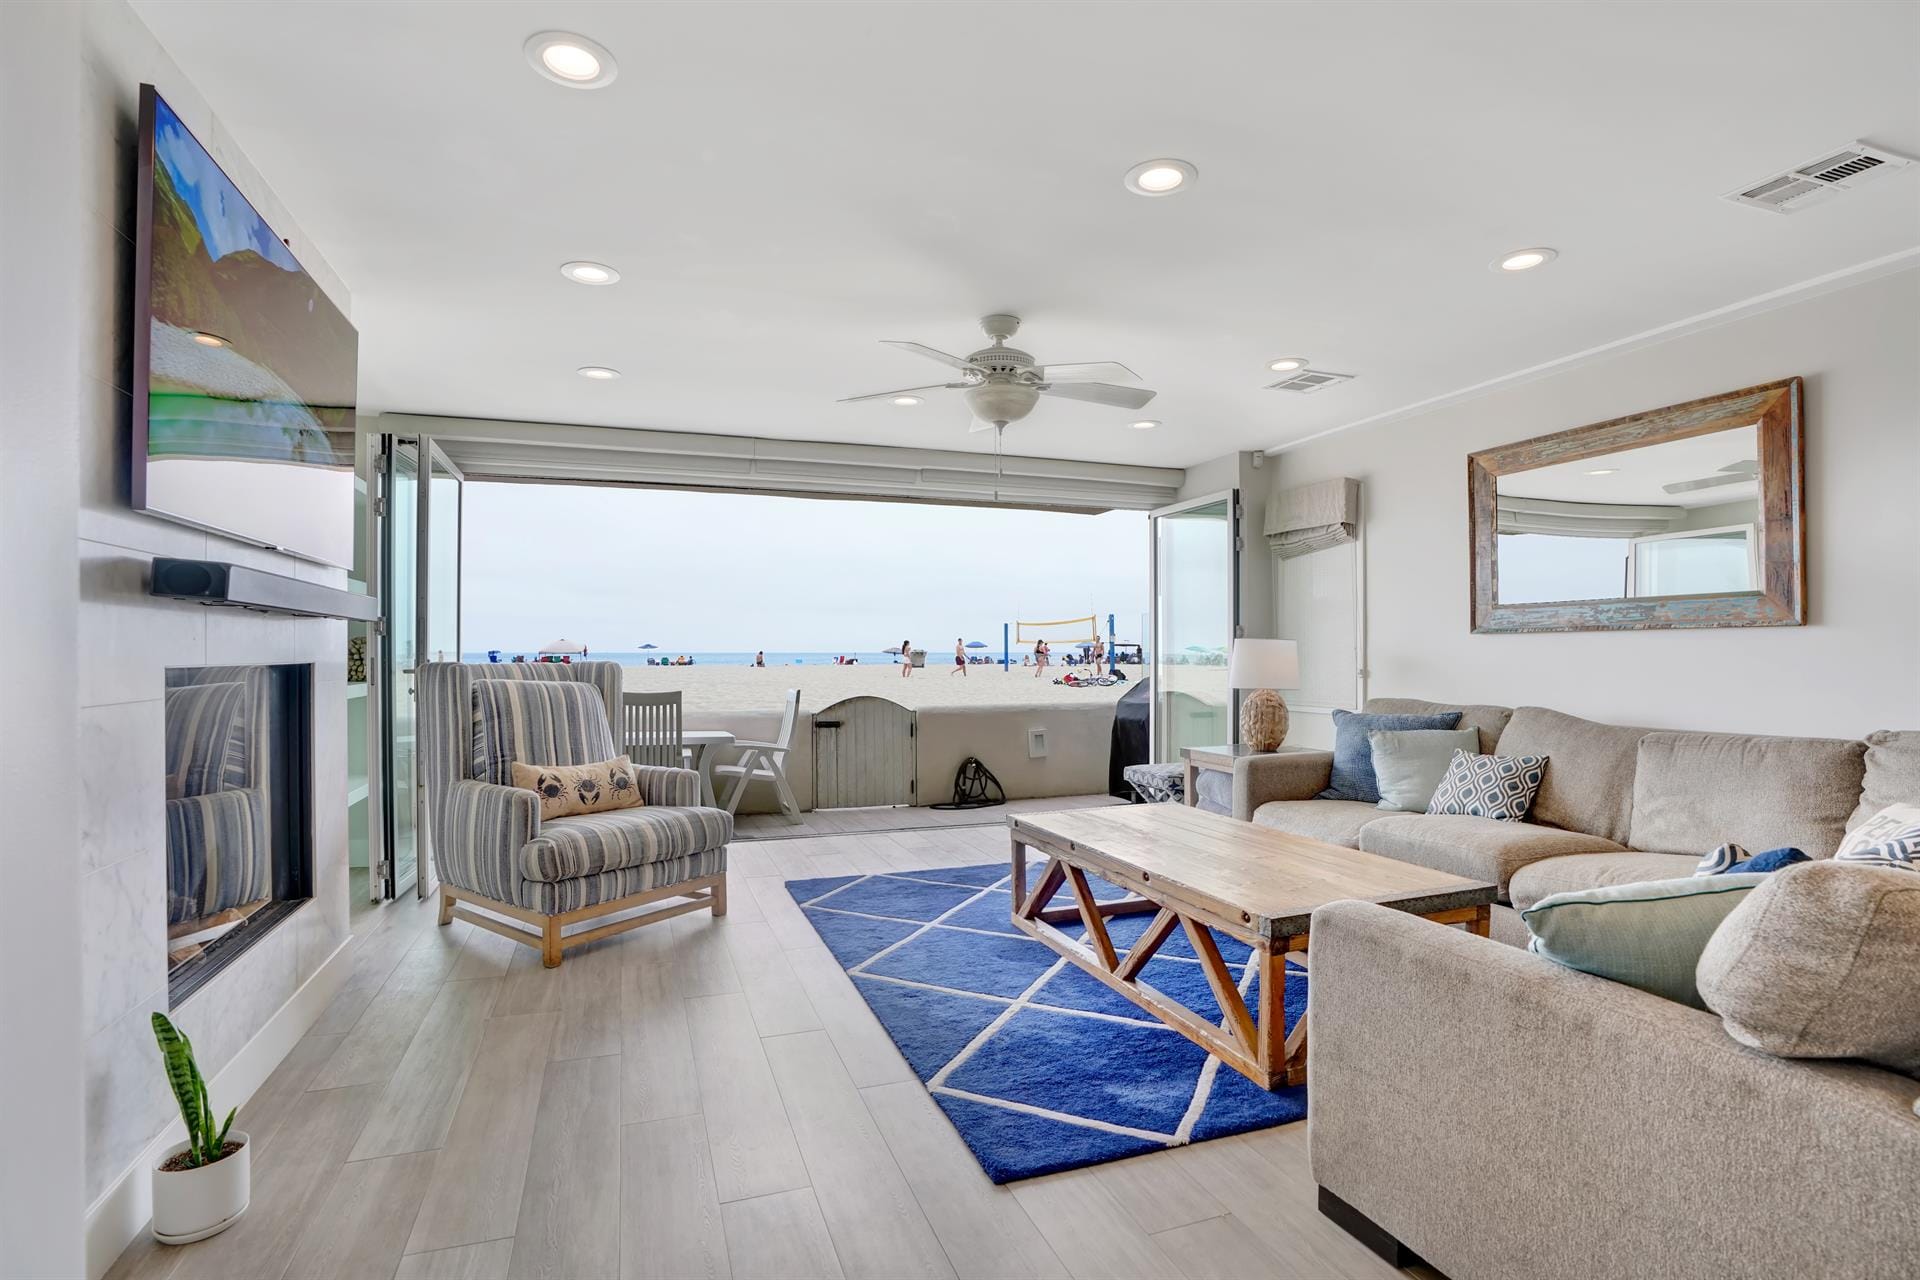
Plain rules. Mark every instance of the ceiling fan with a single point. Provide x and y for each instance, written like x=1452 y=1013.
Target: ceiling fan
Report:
x=1733 y=473
x=1003 y=383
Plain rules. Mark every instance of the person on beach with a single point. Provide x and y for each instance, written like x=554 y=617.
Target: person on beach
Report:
x=760 y=658
x=1039 y=658
x=906 y=658
x=959 y=657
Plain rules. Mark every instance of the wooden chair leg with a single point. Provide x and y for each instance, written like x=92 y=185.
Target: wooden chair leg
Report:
x=719 y=892
x=550 y=943
x=446 y=907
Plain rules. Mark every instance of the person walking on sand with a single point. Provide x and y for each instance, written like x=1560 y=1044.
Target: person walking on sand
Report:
x=906 y=658
x=959 y=657
x=1039 y=658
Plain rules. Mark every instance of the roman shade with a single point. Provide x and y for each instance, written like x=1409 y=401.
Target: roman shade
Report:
x=1313 y=517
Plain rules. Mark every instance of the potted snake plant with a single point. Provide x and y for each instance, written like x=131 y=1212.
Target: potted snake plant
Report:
x=202 y=1185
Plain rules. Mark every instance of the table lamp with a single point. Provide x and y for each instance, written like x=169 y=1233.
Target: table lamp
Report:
x=1262 y=666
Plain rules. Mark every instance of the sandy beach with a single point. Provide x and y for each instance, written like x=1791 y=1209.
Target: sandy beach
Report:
x=726 y=688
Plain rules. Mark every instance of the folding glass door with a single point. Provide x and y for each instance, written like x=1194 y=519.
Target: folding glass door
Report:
x=420 y=579
x=1196 y=615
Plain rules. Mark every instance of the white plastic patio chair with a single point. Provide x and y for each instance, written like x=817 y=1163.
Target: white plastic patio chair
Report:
x=766 y=762
x=650 y=724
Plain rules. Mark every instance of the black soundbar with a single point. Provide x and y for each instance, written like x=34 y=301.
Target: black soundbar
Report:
x=238 y=587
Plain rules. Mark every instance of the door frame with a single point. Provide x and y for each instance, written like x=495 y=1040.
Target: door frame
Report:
x=1235 y=543
x=430 y=456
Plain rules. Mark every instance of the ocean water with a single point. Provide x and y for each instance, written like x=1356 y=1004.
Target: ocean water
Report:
x=775 y=657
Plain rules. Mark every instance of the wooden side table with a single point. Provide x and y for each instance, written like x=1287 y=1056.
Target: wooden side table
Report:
x=1219 y=760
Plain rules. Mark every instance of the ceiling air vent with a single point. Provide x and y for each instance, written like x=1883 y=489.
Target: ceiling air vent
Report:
x=1310 y=380
x=1817 y=180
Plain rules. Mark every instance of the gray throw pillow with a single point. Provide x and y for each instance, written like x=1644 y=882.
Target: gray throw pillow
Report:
x=1352 y=776
x=1648 y=935
x=1409 y=763
x=1822 y=961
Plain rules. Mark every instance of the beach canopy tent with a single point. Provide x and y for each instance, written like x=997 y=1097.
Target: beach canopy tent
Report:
x=976 y=644
x=564 y=647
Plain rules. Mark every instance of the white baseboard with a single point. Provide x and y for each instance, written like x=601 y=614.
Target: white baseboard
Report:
x=123 y=1209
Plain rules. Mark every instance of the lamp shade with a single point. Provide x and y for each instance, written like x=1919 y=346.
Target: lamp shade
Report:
x=1264 y=664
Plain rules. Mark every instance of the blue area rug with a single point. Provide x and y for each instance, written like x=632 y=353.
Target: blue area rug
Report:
x=1039 y=1066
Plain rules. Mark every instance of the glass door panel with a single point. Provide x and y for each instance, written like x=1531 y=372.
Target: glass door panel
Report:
x=401 y=580
x=438 y=600
x=1195 y=616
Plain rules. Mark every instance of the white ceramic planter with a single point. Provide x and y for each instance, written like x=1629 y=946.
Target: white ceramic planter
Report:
x=192 y=1204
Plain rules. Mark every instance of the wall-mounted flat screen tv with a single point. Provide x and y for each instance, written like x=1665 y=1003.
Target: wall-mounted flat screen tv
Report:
x=243 y=369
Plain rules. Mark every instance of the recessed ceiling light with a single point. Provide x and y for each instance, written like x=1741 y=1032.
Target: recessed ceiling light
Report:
x=906 y=400
x=571 y=60
x=1287 y=364
x=598 y=372
x=589 y=272
x=1160 y=177
x=1146 y=424
x=210 y=340
x=1605 y=471
x=1525 y=259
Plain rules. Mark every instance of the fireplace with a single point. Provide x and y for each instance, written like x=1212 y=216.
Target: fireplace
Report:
x=239 y=812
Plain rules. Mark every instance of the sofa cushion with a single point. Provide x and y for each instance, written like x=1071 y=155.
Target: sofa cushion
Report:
x=1485 y=849
x=1489 y=720
x=1589 y=781
x=537 y=722
x=1573 y=872
x=1334 y=821
x=590 y=843
x=1648 y=935
x=1693 y=791
x=1893 y=773
x=1822 y=961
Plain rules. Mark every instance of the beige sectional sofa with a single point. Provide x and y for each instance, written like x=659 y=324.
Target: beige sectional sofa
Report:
x=1505 y=1118
x=1617 y=804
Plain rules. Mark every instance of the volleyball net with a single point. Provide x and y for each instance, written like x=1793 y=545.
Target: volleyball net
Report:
x=1087 y=628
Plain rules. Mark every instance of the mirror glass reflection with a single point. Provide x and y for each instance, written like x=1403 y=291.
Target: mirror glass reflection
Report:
x=1677 y=518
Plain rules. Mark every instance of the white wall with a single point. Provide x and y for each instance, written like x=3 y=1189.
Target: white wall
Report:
x=87 y=649
x=41 y=1109
x=1853 y=669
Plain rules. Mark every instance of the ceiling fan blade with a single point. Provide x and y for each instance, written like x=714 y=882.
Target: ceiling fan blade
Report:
x=1706 y=482
x=1101 y=393
x=904 y=391
x=1092 y=371
x=930 y=353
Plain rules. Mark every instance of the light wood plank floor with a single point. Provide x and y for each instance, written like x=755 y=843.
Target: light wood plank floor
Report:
x=834 y=822
x=700 y=1098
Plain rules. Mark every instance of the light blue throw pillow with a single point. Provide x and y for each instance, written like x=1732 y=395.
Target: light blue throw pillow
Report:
x=1353 y=755
x=1409 y=763
x=1648 y=935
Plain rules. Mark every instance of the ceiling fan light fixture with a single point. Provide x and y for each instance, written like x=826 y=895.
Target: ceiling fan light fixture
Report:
x=597 y=372
x=1287 y=364
x=1161 y=177
x=571 y=60
x=584 y=272
x=1525 y=259
x=904 y=401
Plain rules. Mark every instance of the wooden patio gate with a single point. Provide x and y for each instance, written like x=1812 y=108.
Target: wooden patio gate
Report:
x=865 y=753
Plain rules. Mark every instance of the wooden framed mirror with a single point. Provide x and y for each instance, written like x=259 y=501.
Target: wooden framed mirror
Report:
x=1688 y=516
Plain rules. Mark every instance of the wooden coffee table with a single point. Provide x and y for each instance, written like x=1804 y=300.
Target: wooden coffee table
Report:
x=1192 y=870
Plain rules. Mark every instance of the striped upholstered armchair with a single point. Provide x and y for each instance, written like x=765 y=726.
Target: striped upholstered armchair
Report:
x=490 y=846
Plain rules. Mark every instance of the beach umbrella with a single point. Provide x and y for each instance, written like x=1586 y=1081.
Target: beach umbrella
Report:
x=649 y=646
x=563 y=646
x=976 y=644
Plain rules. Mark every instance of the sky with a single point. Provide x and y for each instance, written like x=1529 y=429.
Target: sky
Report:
x=616 y=568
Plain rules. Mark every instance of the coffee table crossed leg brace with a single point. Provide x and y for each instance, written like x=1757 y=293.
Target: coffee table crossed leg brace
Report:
x=1254 y=1041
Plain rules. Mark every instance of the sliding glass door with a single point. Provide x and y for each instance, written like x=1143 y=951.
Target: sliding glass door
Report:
x=420 y=579
x=1196 y=615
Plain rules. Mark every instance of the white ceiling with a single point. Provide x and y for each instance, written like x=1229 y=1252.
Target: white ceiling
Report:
x=782 y=185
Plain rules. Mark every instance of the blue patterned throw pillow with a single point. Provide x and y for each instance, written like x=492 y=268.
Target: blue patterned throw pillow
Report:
x=1731 y=858
x=1353 y=777
x=1890 y=838
x=1500 y=787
